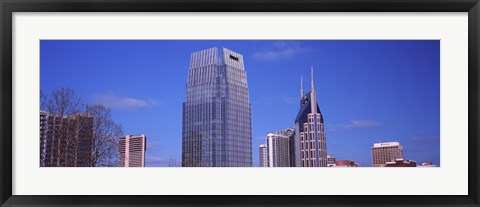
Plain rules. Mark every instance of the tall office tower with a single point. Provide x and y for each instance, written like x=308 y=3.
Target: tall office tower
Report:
x=217 y=123
x=385 y=152
x=131 y=151
x=65 y=141
x=290 y=132
x=310 y=141
x=263 y=155
x=278 y=148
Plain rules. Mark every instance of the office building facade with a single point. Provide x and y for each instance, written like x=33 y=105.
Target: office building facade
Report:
x=310 y=146
x=278 y=149
x=131 y=150
x=385 y=152
x=216 y=121
x=65 y=141
x=263 y=155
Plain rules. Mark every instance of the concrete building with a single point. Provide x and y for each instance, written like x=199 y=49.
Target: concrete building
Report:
x=65 y=141
x=131 y=150
x=331 y=161
x=45 y=143
x=400 y=162
x=310 y=140
x=290 y=133
x=385 y=152
x=217 y=117
x=278 y=150
x=263 y=155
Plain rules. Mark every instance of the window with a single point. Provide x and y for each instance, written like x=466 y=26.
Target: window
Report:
x=233 y=57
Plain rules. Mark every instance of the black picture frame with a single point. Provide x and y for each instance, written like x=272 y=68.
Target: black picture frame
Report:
x=7 y=8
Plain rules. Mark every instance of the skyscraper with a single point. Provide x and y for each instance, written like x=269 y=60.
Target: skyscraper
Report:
x=310 y=141
x=385 y=152
x=278 y=150
x=290 y=132
x=263 y=155
x=131 y=151
x=216 y=128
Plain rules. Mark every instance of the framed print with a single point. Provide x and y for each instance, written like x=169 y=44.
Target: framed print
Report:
x=192 y=103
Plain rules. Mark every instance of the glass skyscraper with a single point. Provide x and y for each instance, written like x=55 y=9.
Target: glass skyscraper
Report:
x=217 y=123
x=310 y=141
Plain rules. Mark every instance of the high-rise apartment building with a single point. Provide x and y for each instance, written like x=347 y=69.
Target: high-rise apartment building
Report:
x=289 y=132
x=216 y=127
x=131 y=150
x=278 y=150
x=310 y=145
x=65 y=141
x=385 y=152
x=263 y=155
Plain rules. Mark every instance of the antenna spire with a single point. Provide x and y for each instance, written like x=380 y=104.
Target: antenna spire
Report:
x=313 y=97
x=301 y=86
x=313 y=85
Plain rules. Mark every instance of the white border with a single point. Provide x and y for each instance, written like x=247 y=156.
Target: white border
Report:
x=449 y=179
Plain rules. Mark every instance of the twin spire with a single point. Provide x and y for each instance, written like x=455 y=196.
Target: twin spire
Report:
x=313 y=94
x=301 y=84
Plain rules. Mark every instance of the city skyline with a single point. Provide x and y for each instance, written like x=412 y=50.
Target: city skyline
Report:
x=273 y=71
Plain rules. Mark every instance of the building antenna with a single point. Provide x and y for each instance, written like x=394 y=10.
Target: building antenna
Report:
x=301 y=86
x=313 y=97
x=313 y=85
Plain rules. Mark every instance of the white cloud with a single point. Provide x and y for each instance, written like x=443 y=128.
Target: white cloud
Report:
x=113 y=100
x=281 y=50
x=355 y=124
x=153 y=159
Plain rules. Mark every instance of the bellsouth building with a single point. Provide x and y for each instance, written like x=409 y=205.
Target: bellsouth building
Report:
x=216 y=122
x=310 y=146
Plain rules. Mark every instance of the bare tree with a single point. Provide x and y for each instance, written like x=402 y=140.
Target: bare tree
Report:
x=105 y=136
x=43 y=100
x=79 y=137
x=63 y=105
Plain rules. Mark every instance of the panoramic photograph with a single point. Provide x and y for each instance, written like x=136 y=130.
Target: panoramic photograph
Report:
x=239 y=103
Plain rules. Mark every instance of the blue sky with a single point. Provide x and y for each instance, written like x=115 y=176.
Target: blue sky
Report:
x=368 y=91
